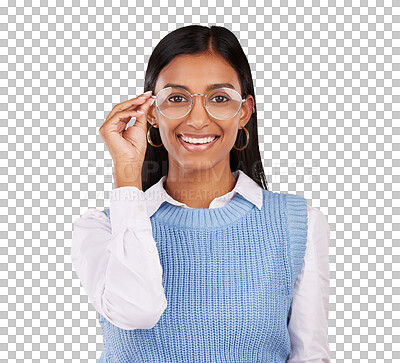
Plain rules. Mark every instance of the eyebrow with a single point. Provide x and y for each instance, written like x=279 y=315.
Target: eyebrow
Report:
x=209 y=87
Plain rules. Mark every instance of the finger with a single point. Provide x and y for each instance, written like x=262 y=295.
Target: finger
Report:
x=126 y=106
x=118 y=122
x=144 y=104
x=145 y=107
x=129 y=104
x=142 y=119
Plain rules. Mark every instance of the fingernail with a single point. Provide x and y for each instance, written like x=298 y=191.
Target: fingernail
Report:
x=139 y=111
x=147 y=93
x=152 y=101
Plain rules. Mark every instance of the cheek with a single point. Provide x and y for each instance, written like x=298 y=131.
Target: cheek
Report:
x=230 y=134
x=168 y=135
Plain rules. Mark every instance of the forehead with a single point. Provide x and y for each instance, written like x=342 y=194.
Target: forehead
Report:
x=197 y=72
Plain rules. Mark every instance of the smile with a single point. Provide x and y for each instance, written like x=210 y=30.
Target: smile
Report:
x=196 y=147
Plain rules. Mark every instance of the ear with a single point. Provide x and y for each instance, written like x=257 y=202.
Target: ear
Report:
x=247 y=110
x=152 y=115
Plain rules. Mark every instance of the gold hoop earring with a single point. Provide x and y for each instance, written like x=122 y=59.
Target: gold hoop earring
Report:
x=254 y=110
x=247 y=141
x=149 y=139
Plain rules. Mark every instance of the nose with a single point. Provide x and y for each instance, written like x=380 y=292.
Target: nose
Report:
x=198 y=114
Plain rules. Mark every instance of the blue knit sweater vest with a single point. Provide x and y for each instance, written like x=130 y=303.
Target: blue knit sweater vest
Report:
x=228 y=276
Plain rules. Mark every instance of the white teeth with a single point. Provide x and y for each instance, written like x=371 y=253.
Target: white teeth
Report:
x=203 y=140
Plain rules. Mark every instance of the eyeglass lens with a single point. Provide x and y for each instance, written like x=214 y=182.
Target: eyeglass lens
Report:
x=222 y=103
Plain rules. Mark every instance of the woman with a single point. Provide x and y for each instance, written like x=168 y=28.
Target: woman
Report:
x=196 y=261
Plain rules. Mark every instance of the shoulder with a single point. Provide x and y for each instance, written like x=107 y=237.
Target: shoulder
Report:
x=316 y=212
x=290 y=206
x=284 y=196
x=316 y=218
x=296 y=203
x=298 y=206
x=292 y=199
x=293 y=202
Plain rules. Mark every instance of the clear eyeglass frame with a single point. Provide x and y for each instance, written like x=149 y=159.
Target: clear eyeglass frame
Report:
x=205 y=102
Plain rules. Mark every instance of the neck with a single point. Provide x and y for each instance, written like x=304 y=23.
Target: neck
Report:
x=198 y=188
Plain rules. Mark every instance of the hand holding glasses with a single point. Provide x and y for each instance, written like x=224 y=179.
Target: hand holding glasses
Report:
x=127 y=145
x=220 y=103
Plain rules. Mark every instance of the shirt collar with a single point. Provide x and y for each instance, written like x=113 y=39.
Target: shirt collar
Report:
x=245 y=186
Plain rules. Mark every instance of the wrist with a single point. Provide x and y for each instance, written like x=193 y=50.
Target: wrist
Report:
x=119 y=184
x=127 y=175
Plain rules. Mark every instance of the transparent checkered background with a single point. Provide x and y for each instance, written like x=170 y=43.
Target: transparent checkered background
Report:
x=327 y=92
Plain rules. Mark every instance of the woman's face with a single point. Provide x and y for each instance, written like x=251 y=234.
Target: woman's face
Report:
x=196 y=73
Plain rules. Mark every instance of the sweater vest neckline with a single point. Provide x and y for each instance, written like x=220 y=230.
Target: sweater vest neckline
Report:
x=204 y=218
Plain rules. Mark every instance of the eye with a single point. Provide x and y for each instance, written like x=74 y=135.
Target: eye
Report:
x=220 y=98
x=176 y=99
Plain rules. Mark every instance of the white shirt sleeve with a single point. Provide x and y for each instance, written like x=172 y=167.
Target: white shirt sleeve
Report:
x=117 y=261
x=308 y=324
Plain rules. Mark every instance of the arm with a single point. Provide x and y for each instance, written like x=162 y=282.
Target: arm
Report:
x=308 y=325
x=117 y=261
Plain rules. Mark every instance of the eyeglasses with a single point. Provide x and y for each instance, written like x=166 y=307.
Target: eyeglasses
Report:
x=220 y=103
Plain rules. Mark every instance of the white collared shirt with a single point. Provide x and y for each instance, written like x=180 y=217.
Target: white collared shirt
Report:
x=118 y=265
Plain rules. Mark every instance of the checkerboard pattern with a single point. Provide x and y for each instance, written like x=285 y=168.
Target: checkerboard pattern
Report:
x=327 y=83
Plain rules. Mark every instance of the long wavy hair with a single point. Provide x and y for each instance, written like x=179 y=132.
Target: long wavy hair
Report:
x=197 y=39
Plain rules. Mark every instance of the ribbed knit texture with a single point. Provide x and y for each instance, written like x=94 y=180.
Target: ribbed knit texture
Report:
x=228 y=276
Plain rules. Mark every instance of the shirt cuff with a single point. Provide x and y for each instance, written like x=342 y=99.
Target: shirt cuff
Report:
x=128 y=209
